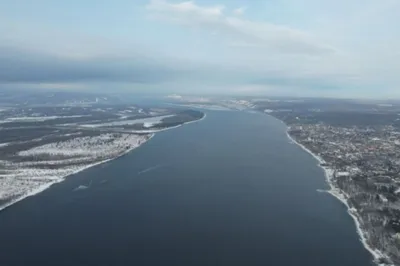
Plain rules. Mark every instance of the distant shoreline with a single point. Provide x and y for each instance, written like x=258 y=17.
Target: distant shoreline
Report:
x=153 y=131
x=42 y=188
x=62 y=178
x=340 y=195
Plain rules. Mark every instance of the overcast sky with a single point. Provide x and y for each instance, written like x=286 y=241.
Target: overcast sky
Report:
x=341 y=48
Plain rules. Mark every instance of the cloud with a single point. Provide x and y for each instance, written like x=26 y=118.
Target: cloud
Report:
x=33 y=69
x=188 y=7
x=239 y=11
x=37 y=69
x=243 y=44
x=311 y=48
x=21 y=66
x=276 y=38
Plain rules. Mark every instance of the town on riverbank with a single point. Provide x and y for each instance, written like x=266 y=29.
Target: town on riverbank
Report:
x=359 y=143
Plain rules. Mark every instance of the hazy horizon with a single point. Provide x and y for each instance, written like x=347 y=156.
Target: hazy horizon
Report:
x=336 y=49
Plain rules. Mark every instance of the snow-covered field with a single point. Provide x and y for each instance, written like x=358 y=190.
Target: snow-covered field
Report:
x=43 y=144
x=22 y=179
x=206 y=107
x=38 y=118
x=147 y=121
x=93 y=147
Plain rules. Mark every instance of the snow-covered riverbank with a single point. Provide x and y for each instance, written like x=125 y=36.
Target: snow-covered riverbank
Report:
x=24 y=179
x=40 y=167
x=342 y=196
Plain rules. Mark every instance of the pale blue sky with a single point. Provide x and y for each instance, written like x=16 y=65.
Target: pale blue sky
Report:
x=342 y=48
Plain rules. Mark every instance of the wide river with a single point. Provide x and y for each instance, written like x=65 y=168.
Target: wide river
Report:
x=229 y=190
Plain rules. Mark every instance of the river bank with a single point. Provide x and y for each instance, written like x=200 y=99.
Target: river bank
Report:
x=342 y=197
x=228 y=191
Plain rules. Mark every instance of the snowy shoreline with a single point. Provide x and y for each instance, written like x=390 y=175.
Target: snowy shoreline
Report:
x=80 y=169
x=194 y=121
x=62 y=178
x=342 y=197
x=152 y=131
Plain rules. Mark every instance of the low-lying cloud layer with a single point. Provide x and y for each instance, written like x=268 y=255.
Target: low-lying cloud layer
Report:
x=23 y=66
x=338 y=49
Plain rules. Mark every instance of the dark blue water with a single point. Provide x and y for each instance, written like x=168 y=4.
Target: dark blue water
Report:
x=230 y=190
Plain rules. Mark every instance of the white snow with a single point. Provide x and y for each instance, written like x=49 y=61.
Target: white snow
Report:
x=81 y=146
x=23 y=179
x=342 y=196
x=19 y=180
x=175 y=96
x=206 y=107
x=38 y=118
x=268 y=111
x=149 y=124
x=154 y=119
x=383 y=198
x=341 y=174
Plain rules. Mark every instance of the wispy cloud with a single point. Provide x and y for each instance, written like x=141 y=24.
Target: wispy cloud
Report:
x=283 y=46
x=239 y=11
x=275 y=37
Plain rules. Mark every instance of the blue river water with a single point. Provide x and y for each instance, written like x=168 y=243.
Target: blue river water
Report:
x=229 y=190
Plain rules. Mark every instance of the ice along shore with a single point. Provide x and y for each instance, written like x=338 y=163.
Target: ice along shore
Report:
x=342 y=197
